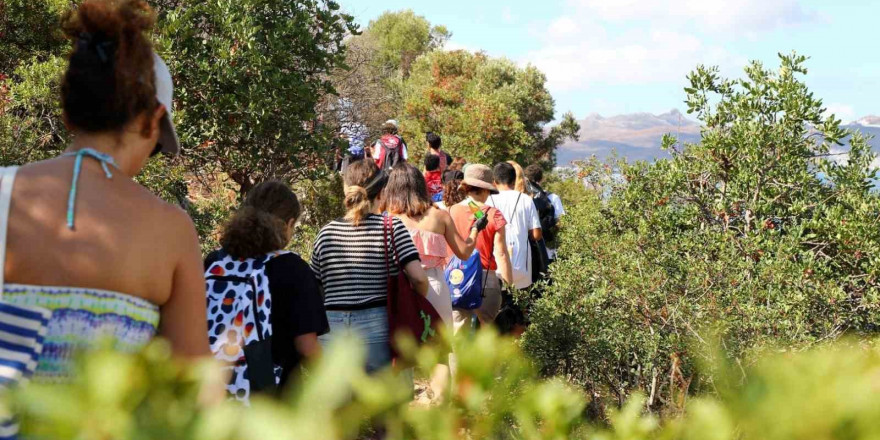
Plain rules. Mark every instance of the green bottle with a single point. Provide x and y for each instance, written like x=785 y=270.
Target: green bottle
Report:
x=478 y=213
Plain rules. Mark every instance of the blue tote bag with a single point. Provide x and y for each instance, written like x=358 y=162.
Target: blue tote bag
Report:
x=22 y=329
x=465 y=280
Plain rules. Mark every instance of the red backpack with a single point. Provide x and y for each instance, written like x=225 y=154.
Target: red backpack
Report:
x=392 y=148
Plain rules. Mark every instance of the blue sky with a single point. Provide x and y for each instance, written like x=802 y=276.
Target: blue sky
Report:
x=625 y=56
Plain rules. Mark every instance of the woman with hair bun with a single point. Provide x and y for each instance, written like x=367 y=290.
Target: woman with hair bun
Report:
x=108 y=260
x=349 y=262
x=288 y=308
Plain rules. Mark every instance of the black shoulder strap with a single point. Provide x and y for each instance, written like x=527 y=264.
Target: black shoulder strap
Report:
x=516 y=205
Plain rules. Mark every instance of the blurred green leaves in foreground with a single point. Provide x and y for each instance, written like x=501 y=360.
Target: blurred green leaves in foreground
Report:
x=826 y=393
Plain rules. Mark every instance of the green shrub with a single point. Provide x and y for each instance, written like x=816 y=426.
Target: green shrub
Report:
x=322 y=202
x=828 y=393
x=754 y=232
x=569 y=186
x=148 y=396
x=825 y=393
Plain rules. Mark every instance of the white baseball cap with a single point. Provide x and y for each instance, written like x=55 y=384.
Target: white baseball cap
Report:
x=392 y=122
x=164 y=92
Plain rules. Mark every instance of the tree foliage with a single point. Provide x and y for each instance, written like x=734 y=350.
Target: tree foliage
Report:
x=402 y=37
x=760 y=230
x=249 y=75
x=377 y=63
x=30 y=112
x=30 y=30
x=486 y=109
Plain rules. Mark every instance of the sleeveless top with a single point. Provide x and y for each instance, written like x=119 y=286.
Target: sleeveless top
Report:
x=83 y=318
x=432 y=248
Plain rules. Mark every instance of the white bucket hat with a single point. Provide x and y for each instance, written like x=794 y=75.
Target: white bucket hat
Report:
x=170 y=143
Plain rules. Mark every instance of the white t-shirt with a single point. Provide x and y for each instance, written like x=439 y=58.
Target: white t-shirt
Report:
x=521 y=218
x=558 y=211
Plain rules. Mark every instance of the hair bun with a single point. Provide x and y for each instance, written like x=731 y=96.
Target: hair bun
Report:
x=109 y=80
x=109 y=20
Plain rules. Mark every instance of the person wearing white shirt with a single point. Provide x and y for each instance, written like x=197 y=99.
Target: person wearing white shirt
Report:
x=535 y=175
x=522 y=222
x=389 y=135
x=558 y=212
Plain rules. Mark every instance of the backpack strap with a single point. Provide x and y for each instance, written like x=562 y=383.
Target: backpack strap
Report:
x=512 y=213
x=255 y=310
x=390 y=245
x=385 y=244
x=516 y=205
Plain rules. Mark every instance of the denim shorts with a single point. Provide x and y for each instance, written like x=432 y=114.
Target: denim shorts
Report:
x=370 y=325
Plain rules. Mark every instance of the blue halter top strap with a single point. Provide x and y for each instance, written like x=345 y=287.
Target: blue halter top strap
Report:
x=104 y=159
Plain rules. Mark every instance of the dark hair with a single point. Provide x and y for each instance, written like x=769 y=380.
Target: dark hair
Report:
x=259 y=226
x=407 y=192
x=364 y=182
x=535 y=173
x=457 y=164
x=452 y=195
x=467 y=189
x=433 y=140
x=432 y=162
x=452 y=175
x=389 y=128
x=504 y=174
x=109 y=80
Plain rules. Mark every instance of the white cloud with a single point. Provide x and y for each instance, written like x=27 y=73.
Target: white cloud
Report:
x=562 y=28
x=639 y=57
x=712 y=16
x=602 y=42
x=844 y=112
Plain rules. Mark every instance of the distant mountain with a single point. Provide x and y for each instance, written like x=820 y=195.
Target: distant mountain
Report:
x=868 y=121
x=638 y=136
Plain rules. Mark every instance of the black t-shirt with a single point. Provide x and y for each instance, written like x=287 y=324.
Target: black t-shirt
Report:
x=297 y=307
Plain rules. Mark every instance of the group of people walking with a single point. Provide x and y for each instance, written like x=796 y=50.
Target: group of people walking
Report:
x=89 y=255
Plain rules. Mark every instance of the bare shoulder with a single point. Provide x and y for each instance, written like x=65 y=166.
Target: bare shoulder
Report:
x=176 y=223
x=439 y=214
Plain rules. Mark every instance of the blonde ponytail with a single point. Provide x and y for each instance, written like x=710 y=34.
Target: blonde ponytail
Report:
x=357 y=204
x=363 y=184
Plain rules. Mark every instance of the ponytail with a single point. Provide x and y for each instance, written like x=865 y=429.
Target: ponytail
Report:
x=363 y=184
x=357 y=204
